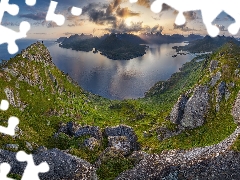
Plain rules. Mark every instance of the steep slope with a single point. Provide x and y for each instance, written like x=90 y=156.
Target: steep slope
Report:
x=207 y=114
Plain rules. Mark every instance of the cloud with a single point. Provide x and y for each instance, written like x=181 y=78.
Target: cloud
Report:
x=36 y=17
x=145 y=3
x=125 y=12
x=190 y=15
x=165 y=7
x=183 y=27
x=154 y=29
x=221 y=27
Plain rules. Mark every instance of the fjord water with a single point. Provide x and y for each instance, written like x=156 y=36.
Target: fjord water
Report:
x=114 y=79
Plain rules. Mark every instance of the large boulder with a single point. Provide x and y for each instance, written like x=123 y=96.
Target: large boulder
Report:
x=236 y=109
x=63 y=166
x=213 y=65
x=215 y=78
x=123 y=130
x=178 y=109
x=196 y=108
x=120 y=143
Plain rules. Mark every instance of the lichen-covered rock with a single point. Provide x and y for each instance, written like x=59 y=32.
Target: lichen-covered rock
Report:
x=220 y=92
x=120 y=143
x=93 y=131
x=12 y=147
x=236 y=109
x=178 y=109
x=137 y=156
x=215 y=78
x=213 y=65
x=10 y=96
x=123 y=130
x=91 y=143
x=63 y=166
x=196 y=108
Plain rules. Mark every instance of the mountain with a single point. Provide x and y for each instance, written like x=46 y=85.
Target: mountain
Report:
x=207 y=44
x=117 y=47
x=61 y=39
x=186 y=127
x=114 y=46
x=159 y=38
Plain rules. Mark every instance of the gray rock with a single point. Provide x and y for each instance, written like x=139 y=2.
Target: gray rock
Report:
x=29 y=146
x=10 y=96
x=165 y=133
x=123 y=130
x=220 y=92
x=213 y=65
x=93 y=131
x=178 y=109
x=63 y=166
x=12 y=146
x=236 y=109
x=120 y=143
x=196 y=108
x=137 y=156
x=215 y=78
x=91 y=143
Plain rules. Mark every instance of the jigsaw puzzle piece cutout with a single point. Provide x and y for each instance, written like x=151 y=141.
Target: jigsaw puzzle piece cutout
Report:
x=76 y=11
x=30 y=2
x=4 y=105
x=12 y=124
x=51 y=16
x=12 y=9
x=208 y=8
x=12 y=36
x=31 y=171
x=4 y=170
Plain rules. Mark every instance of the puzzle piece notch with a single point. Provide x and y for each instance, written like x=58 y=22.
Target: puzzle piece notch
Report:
x=12 y=9
x=209 y=14
x=30 y=2
x=76 y=11
x=31 y=171
x=4 y=105
x=13 y=36
x=4 y=170
x=51 y=16
x=12 y=124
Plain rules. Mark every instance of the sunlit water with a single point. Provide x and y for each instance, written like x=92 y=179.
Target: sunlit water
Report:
x=114 y=79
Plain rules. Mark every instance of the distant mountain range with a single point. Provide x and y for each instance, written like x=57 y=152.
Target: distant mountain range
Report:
x=120 y=46
x=207 y=44
x=159 y=38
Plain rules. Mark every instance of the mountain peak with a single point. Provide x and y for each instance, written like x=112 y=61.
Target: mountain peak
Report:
x=37 y=52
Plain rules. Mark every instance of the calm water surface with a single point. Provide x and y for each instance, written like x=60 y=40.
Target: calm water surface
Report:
x=114 y=79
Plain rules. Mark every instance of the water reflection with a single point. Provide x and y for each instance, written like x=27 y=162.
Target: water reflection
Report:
x=119 y=79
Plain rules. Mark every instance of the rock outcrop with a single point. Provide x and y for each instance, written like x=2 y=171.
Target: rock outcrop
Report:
x=236 y=109
x=63 y=166
x=123 y=130
x=190 y=113
x=177 y=112
x=213 y=65
x=199 y=163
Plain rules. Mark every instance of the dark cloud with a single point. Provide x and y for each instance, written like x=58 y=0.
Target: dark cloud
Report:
x=37 y=16
x=145 y=3
x=230 y=18
x=103 y=14
x=125 y=12
x=154 y=29
x=183 y=27
x=68 y=33
x=122 y=27
x=165 y=7
x=190 y=15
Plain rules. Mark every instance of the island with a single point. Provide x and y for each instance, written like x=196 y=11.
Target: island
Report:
x=114 y=46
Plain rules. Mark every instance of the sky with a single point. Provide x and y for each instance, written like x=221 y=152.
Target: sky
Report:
x=107 y=16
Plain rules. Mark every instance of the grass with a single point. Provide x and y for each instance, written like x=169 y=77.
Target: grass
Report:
x=61 y=102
